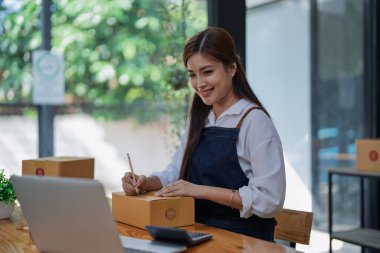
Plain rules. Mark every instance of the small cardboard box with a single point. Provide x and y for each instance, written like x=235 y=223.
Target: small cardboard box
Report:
x=146 y=209
x=80 y=167
x=368 y=154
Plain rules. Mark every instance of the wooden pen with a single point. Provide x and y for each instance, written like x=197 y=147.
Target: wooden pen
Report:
x=133 y=174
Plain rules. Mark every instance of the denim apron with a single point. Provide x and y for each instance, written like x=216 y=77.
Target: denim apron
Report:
x=214 y=162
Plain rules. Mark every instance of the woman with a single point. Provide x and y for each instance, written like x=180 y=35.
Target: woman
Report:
x=230 y=158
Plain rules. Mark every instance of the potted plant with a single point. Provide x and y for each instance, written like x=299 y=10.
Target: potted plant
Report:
x=7 y=196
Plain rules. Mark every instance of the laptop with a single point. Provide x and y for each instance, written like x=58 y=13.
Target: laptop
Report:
x=73 y=215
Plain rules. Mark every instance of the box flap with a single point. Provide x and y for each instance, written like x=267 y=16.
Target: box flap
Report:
x=60 y=158
x=148 y=196
x=65 y=158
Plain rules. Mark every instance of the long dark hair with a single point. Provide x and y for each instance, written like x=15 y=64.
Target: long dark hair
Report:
x=216 y=43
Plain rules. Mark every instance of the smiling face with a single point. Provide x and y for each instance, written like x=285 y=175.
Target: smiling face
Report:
x=212 y=81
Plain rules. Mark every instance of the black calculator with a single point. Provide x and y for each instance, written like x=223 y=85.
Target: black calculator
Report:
x=177 y=235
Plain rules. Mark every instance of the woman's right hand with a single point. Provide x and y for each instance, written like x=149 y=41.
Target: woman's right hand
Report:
x=132 y=187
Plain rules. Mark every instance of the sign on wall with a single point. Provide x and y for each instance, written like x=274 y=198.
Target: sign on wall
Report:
x=48 y=78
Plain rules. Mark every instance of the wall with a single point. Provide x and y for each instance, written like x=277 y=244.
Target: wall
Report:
x=278 y=69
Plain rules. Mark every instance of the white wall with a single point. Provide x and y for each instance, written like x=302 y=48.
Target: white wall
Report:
x=278 y=69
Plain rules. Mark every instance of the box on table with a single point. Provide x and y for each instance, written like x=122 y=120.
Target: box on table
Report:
x=146 y=209
x=80 y=167
x=368 y=154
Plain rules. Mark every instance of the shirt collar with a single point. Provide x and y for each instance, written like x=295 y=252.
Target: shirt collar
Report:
x=234 y=109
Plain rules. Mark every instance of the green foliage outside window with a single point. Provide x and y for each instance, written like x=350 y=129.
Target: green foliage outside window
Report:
x=116 y=53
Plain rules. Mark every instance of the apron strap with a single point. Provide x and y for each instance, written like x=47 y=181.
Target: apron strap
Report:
x=245 y=114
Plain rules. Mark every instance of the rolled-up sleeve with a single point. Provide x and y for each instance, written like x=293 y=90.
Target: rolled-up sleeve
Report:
x=265 y=193
x=171 y=172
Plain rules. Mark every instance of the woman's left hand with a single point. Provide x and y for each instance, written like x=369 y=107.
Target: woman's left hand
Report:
x=180 y=188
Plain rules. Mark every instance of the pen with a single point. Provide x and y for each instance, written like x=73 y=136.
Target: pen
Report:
x=133 y=174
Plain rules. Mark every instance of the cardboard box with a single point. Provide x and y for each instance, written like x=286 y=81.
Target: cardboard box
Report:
x=80 y=167
x=368 y=154
x=146 y=209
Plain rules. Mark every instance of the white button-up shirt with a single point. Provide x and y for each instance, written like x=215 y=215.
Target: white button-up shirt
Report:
x=260 y=157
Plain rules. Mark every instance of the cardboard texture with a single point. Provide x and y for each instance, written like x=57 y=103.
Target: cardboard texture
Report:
x=146 y=209
x=79 y=167
x=368 y=154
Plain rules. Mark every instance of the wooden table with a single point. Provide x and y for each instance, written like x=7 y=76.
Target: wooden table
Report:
x=14 y=237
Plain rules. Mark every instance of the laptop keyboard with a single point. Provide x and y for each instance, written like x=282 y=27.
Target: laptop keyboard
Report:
x=130 y=250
